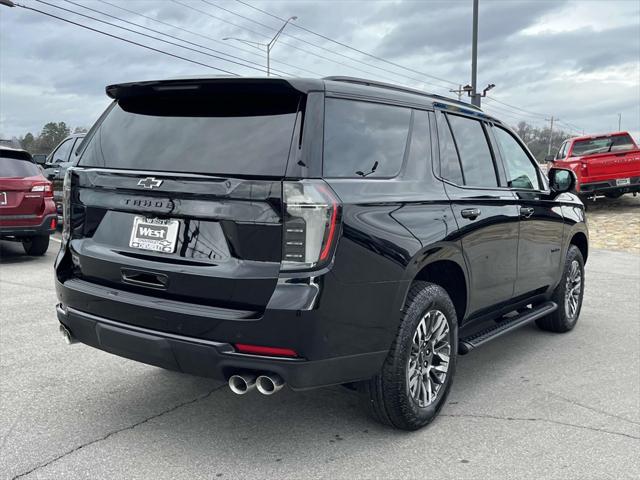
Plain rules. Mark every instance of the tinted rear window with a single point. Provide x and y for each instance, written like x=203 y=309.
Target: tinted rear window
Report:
x=364 y=139
x=475 y=156
x=17 y=168
x=617 y=143
x=224 y=134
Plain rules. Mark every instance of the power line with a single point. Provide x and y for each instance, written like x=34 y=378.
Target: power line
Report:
x=421 y=80
x=211 y=39
x=543 y=115
x=124 y=39
x=349 y=46
x=145 y=35
x=166 y=34
x=283 y=42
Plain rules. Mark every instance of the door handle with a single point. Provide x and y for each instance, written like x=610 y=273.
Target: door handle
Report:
x=526 y=212
x=471 y=213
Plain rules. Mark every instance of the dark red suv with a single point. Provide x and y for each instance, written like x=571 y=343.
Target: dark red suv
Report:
x=27 y=210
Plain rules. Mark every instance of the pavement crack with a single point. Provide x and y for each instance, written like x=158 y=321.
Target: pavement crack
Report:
x=593 y=409
x=115 y=432
x=544 y=420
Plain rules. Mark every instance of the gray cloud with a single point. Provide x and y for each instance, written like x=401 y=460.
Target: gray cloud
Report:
x=53 y=71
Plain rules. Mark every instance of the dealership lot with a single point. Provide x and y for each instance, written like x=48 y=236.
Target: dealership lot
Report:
x=528 y=405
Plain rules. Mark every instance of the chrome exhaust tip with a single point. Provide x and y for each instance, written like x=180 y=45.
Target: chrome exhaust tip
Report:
x=242 y=383
x=269 y=384
x=66 y=335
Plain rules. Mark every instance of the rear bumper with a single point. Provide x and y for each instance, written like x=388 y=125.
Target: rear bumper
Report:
x=211 y=359
x=604 y=186
x=18 y=231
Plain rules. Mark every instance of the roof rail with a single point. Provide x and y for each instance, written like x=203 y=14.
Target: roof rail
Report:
x=373 y=83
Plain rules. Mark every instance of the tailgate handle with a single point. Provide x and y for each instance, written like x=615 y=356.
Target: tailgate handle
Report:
x=145 y=279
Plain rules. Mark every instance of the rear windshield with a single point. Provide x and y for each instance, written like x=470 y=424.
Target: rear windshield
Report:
x=228 y=134
x=17 y=168
x=617 y=143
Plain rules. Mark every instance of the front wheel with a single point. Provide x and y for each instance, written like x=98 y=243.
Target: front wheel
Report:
x=36 y=246
x=416 y=377
x=567 y=295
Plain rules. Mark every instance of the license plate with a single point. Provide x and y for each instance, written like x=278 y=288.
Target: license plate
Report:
x=3 y=198
x=155 y=234
x=623 y=181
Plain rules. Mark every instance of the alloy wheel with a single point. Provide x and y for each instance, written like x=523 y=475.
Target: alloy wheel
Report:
x=573 y=289
x=429 y=358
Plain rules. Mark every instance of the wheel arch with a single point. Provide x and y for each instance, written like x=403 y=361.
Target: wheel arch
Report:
x=579 y=239
x=442 y=265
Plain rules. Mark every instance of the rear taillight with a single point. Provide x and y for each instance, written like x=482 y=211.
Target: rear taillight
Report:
x=66 y=207
x=311 y=221
x=43 y=187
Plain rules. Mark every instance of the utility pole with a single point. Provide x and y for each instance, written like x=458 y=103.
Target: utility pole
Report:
x=459 y=92
x=267 y=46
x=550 y=136
x=619 y=122
x=475 y=98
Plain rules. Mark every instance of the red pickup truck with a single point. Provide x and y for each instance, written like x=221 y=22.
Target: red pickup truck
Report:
x=606 y=165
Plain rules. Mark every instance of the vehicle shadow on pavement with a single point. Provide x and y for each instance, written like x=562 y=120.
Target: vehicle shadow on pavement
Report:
x=12 y=253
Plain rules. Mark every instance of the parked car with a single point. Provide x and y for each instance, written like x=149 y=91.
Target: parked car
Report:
x=606 y=165
x=55 y=165
x=312 y=232
x=27 y=211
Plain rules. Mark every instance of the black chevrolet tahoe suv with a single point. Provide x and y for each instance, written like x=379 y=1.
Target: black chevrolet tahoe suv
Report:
x=312 y=232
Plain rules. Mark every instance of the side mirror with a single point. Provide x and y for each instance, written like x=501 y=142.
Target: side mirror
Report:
x=39 y=158
x=549 y=158
x=562 y=180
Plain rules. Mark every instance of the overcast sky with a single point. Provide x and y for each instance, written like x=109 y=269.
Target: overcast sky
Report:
x=576 y=60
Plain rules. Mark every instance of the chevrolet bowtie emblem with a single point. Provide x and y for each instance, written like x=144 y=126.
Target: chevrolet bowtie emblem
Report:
x=149 y=182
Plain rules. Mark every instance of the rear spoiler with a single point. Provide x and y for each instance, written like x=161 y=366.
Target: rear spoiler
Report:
x=214 y=85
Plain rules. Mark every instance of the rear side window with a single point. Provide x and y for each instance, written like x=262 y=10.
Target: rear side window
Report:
x=364 y=139
x=225 y=134
x=17 y=168
x=521 y=172
x=450 y=168
x=475 y=156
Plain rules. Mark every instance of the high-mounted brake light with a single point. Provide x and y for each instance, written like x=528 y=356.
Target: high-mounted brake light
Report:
x=311 y=221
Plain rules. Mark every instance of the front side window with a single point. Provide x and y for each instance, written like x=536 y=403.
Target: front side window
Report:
x=563 y=151
x=475 y=156
x=521 y=173
x=62 y=153
x=363 y=139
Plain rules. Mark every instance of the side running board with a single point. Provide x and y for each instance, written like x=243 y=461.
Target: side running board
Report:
x=466 y=344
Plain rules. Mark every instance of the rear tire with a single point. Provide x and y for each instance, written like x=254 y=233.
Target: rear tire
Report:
x=568 y=295
x=417 y=374
x=36 y=246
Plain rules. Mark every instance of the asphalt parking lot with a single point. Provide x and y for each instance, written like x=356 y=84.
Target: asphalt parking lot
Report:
x=529 y=405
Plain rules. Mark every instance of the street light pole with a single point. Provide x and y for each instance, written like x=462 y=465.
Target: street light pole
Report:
x=268 y=46
x=475 y=98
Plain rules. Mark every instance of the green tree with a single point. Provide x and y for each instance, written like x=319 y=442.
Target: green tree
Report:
x=537 y=139
x=52 y=134
x=28 y=142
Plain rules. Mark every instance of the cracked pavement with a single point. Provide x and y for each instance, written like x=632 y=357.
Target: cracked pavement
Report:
x=528 y=405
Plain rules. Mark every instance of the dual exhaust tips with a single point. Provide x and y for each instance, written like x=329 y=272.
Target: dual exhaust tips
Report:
x=245 y=382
